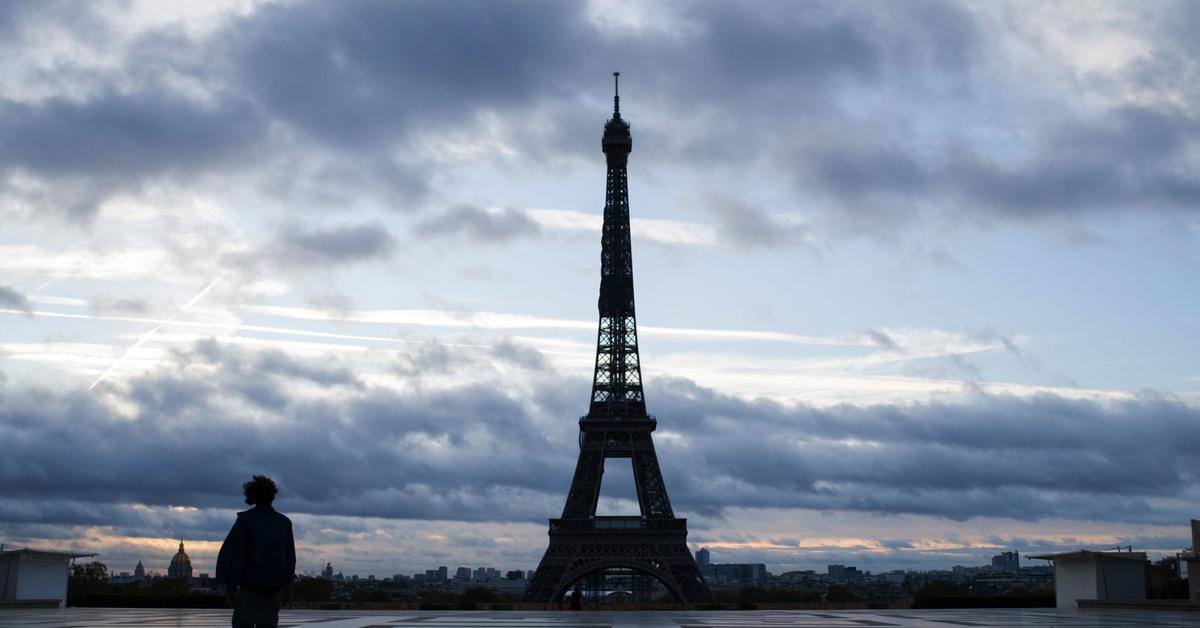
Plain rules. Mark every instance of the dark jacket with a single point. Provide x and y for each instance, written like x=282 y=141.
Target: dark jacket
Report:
x=259 y=550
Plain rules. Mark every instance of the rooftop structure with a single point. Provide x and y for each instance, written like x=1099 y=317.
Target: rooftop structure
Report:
x=1090 y=575
x=35 y=577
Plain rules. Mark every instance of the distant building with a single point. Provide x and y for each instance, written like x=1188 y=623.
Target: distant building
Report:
x=35 y=576
x=798 y=577
x=327 y=572
x=1191 y=563
x=1007 y=561
x=843 y=573
x=124 y=579
x=181 y=565
x=203 y=581
x=139 y=572
x=484 y=574
x=1087 y=575
x=734 y=573
x=895 y=576
x=702 y=557
x=462 y=573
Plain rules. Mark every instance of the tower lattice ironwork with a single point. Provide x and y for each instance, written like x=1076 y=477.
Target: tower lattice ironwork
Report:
x=583 y=544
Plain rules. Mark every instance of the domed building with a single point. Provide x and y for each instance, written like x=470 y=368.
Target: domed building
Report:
x=181 y=565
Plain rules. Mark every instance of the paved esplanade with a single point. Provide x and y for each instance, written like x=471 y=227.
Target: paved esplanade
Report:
x=161 y=618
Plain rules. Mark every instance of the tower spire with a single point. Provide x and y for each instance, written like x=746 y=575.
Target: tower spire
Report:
x=616 y=95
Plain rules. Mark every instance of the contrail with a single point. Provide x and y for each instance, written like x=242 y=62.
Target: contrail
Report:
x=232 y=327
x=146 y=336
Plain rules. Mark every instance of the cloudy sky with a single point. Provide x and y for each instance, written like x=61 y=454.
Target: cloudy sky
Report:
x=917 y=281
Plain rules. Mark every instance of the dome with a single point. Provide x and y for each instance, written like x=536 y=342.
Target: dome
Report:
x=181 y=565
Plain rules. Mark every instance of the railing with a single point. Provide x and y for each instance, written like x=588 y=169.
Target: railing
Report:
x=618 y=419
x=615 y=523
x=618 y=523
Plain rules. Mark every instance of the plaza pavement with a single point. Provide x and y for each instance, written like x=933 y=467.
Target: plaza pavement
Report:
x=185 y=618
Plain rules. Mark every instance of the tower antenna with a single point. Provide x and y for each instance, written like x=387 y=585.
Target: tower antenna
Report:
x=616 y=95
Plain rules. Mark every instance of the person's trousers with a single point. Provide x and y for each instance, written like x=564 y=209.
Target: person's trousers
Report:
x=256 y=607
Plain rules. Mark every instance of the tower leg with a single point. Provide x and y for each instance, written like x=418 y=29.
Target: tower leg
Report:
x=574 y=554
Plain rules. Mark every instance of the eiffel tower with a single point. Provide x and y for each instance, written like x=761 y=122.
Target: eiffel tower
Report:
x=583 y=546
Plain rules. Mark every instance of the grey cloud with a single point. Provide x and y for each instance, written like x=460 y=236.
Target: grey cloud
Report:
x=1013 y=457
x=237 y=363
x=521 y=355
x=853 y=172
x=878 y=176
x=744 y=225
x=432 y=357
x=125 y=518
x=480 y=225
x=359 y=73
x=882 y=339
x=771 y=59
x=1011 y=346
x=956 y=364
x=373 y=82
x=11 y=299
x=280 y=364
x=1121 y=158
x=775 y=43
x=23 y=23
x=471 y=540
x=357 y=450
x=333 y=244
x=119 y=134
x=116 y=141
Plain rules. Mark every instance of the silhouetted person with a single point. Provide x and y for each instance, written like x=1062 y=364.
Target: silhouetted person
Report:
x=576 y=599
x=257 y=562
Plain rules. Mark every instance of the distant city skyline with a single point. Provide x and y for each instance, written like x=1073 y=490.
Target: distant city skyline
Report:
x=942 y=253
x=1003 y=560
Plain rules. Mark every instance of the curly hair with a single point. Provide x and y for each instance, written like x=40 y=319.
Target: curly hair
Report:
x=260 y=490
